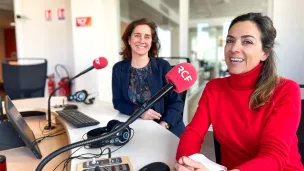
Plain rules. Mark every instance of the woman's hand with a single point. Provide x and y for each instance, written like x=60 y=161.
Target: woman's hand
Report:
x=151 y=115
x=163 y=124
x=187 y=164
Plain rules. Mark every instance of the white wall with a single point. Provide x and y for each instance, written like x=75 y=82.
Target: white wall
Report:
x=165 y=42
x=175 y=41
x=101 y=39
x=288 y=20
x=60 y=41
x=39 y=38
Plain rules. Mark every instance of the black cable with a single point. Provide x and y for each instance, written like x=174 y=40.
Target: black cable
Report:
x=126 y=143
x=67 y=158
x=42 y=130
x=64 y=68
x=82 y=157
x=53 y=134
x=42 y=138
x=109 y=151
x=109 y=134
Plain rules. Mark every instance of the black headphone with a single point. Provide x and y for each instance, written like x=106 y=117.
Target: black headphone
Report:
x=81 y=96
x=121 y=138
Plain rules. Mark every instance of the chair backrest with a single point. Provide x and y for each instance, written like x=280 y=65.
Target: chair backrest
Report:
x=300 y=132
x=217 y=151
x=25 y=77
x=177 y=60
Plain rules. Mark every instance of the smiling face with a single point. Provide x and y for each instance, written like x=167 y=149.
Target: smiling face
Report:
x=140 y=40
x=243 y=49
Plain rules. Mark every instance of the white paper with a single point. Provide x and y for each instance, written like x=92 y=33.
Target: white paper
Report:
x=212 y=166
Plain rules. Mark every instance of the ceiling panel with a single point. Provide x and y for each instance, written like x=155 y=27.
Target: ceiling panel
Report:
x=136 y=9
x=201 y=9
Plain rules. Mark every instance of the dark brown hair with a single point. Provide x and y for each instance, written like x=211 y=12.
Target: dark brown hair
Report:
x=268 y=78
x=155 y=46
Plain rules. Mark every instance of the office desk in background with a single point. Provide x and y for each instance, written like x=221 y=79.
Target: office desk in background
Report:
x=150 y=143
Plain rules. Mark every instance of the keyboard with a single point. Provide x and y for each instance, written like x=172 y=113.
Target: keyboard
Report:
x=76 y=118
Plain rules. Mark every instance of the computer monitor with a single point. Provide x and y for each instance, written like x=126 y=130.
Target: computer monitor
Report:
x=22 y=128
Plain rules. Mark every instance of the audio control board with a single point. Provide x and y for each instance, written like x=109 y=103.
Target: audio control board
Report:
x=109 y=164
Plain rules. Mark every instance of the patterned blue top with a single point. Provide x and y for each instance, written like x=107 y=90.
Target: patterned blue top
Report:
x=139 y=91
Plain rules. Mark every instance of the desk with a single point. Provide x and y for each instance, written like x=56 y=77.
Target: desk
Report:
x=22 y=159
x=150 y=143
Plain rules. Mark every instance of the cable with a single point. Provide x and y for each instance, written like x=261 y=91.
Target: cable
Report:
x=62 y=67
x=91 y=95
x=108 y=135
x=42 y=131
x=53 y=134
x=109 y=152
x=82 y=157
x=67 y=158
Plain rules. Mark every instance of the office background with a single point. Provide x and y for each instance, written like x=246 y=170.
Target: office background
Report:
x=187 y=28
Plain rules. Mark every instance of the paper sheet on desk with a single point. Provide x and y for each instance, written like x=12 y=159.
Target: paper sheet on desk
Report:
x=208 y=163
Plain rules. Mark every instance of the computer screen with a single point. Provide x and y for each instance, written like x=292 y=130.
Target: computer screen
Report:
x=21 y=127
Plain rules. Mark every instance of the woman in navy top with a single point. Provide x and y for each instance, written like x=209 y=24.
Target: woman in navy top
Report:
x=140 y=75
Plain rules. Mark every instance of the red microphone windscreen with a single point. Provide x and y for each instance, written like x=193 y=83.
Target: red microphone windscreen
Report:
x=182 y=76
x=100 y=63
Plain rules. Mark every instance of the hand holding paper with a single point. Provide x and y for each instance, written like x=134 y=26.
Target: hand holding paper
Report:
x=187 y=164
x=197 y=162
x=210 y=165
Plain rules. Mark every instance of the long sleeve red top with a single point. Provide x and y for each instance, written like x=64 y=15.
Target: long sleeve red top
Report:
x=251 y=140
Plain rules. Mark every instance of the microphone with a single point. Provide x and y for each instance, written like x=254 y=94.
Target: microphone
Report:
x=98 y=63
x=180 y=78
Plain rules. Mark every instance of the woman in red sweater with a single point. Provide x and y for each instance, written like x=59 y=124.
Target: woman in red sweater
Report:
x=254 y=113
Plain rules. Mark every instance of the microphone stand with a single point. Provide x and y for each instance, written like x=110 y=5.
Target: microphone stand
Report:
x=49 y=126
x=112 y=133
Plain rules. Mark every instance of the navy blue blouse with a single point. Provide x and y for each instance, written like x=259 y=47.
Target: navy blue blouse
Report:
x=139 y=91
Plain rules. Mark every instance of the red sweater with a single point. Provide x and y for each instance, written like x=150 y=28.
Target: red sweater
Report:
x=263 y=140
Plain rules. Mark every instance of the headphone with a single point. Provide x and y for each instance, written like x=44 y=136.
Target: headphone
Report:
x=120 y=139
x=81 y=96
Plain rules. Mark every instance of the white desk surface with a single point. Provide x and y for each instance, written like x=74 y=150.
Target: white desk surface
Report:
x=150 y=143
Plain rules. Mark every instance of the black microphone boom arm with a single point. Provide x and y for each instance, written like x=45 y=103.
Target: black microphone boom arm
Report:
x=112 y=133
x=49 y=125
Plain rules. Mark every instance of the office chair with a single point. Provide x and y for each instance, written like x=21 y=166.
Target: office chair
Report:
x=300 y=133
x=217 y=150
x=182 y=95
x=24 y=78
x=169 y=59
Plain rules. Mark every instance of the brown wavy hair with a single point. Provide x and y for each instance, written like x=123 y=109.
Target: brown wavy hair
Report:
x=268 y=78
x=155 y=46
